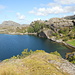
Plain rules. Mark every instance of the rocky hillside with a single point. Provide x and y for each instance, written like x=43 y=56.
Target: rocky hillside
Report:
x=56 y=22
x=38 y=63
x=55 y=28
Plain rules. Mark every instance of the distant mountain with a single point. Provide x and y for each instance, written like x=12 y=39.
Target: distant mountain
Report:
x=10 y=23
x=70 y=17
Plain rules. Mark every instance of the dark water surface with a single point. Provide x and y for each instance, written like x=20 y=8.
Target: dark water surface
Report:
x=11 y=45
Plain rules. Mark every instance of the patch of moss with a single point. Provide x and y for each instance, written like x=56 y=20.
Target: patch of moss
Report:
x=71 y=42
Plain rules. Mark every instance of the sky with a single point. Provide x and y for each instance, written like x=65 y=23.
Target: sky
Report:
x=26 y=11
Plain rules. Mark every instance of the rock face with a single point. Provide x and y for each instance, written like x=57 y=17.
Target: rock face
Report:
x=60 y=22
x=42 y=34
x=56 y=23
x=46 y=33
x=65 y=66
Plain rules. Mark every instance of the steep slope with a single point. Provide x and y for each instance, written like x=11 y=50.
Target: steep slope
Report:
x=40 y=63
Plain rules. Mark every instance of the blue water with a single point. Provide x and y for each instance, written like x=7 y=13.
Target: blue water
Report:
x=11 y=45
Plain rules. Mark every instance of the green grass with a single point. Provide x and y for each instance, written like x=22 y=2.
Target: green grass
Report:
x=71 y=42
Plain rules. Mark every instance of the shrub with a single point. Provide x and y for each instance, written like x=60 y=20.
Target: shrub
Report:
x=37 y=51
x=61 y=31
x=26 y=52
x=71 y=59
x=54 y=34
x=65 y=39
x=46 y=20
x=56 y=53
x=30 y=30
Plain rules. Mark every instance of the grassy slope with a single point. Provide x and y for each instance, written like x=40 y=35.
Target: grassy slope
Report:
x=71 y=42
x=34 y=64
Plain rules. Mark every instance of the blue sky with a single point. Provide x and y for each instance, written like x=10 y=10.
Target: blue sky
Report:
x=26 y=11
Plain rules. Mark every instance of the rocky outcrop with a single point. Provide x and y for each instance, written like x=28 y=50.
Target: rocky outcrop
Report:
x=60 y=22
x=65 y=66
x=56 y=23
x=49 y=34
x=42 y=34
x=46 y=33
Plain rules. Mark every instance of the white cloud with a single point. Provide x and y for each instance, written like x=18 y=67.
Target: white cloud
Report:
x=53 y=4
x=56 y=10
x=74 y=12
x=65 y=1
x=2 y=7
x=20 y=16
x=70 y=9
x=32 y=11
x=38 y=12
x=36 y=19
x=57 y=7
x=52 y=10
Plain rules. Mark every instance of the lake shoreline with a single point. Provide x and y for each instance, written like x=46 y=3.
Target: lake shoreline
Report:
x=64 y=43
x=57 y=41
x=43 y=34
x=13 y=33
